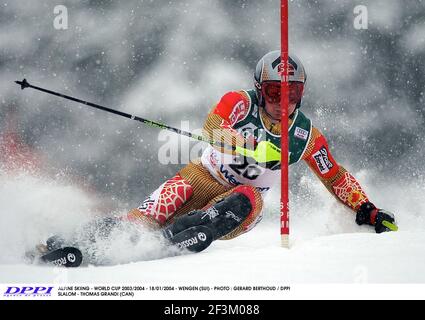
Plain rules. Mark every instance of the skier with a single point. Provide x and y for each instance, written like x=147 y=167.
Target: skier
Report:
x=220 y=195
x=225 y=181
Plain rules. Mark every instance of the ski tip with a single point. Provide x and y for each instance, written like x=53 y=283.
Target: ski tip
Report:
x=24 y=84
x=194 y=239
x=68 y=257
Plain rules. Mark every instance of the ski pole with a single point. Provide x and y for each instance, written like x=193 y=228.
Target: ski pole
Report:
x=24 y=84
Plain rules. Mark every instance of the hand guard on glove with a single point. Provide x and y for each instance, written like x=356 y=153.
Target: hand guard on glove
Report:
x=382 y=220
x=264 y=152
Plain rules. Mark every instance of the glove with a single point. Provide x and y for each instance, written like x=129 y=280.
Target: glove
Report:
x=381 y=219
x=264 y=152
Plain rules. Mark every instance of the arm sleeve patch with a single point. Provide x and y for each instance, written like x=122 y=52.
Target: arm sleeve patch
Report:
x=232 y=107
x=320 y=159
x=336 y=179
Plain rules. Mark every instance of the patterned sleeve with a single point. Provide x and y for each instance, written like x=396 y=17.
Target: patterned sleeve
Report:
x=335 y=177
x=233 y=107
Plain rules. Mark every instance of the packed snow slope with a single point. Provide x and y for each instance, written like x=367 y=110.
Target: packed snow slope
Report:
x=326 y=245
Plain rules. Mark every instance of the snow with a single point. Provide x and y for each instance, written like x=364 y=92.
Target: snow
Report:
x=365 y=93
x=257 y=258
x=326 y=247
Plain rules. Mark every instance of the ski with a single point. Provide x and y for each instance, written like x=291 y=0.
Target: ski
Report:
x=68 y=257
x=194 y=239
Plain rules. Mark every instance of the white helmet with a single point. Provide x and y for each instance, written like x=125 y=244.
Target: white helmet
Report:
x=269 y=69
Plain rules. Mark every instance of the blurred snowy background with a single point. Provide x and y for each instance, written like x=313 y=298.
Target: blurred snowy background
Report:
x=170 y=61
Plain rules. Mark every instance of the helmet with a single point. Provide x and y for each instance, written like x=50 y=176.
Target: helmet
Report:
x=268 y=73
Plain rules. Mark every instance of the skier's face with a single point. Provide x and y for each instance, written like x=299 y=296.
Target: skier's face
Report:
x=274 y=110
x=271 y=93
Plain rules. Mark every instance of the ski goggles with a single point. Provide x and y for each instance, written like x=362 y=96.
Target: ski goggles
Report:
x=271 y=91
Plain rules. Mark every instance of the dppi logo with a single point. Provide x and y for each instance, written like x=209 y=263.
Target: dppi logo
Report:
x=28 y=291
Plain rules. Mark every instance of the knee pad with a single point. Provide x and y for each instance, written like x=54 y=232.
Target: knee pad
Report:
x=163 y=203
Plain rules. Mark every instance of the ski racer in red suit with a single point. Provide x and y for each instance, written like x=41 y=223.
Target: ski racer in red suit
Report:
x=251 y=118
x=221 y=194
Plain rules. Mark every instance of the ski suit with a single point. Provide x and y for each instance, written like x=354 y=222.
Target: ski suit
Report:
x=236 y=120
